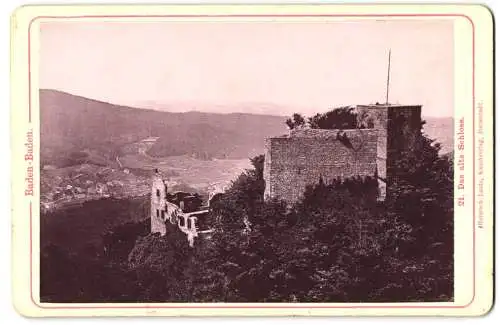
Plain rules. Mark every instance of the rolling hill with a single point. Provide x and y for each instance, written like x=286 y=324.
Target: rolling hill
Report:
x=71 y=124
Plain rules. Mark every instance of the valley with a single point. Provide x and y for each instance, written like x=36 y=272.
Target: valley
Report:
x=130 y=177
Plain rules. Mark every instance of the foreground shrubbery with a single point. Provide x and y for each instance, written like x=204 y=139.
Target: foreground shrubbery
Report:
x=338 y=244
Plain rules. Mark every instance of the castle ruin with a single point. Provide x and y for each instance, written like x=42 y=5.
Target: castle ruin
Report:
x=175 y=209
x=302 y=157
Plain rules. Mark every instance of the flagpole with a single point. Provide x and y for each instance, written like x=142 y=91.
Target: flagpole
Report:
x=388 y=78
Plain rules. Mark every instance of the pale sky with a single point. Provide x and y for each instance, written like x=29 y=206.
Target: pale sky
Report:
x=251 y=66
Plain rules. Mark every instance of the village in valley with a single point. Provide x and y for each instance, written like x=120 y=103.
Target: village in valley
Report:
x=74 y=185
x=130 y=176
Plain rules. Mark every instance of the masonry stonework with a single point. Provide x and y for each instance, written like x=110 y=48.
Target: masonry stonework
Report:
x=369 y=117
x=176 y=209
x=404 y=126
x=158 y=204
x=304 y=156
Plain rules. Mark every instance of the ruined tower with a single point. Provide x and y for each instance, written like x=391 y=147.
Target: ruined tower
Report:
x=176 y=209
x=398 y=127
x=304 y=156
x=158 y=204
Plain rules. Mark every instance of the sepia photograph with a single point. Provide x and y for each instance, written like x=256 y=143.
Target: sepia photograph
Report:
x=252 y=160
x=256 y=162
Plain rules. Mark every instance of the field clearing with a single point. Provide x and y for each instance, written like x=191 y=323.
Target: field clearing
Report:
x=199 y=174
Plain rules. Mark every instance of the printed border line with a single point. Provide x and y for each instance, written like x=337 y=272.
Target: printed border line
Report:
x=363 y=305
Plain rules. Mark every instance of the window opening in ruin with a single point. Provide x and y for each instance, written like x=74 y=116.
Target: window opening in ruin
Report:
x=158 y=193
x=173 y=217
x=189 y=223
x=181 y=222
x=157 y=213
x=162 y=214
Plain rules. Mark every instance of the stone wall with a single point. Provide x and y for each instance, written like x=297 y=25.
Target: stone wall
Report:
x=163 y=212
x=158 y=204
x=404 y=127
x=376 y=117
x=294 y=161
x=399 y=126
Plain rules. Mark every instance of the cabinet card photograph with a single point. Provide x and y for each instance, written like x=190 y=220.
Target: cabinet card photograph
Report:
x=252 y=160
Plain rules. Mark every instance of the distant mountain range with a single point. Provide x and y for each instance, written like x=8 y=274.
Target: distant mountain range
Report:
x=74 y=123
x=259 y=108
x=70 y=124
x=440 y=129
